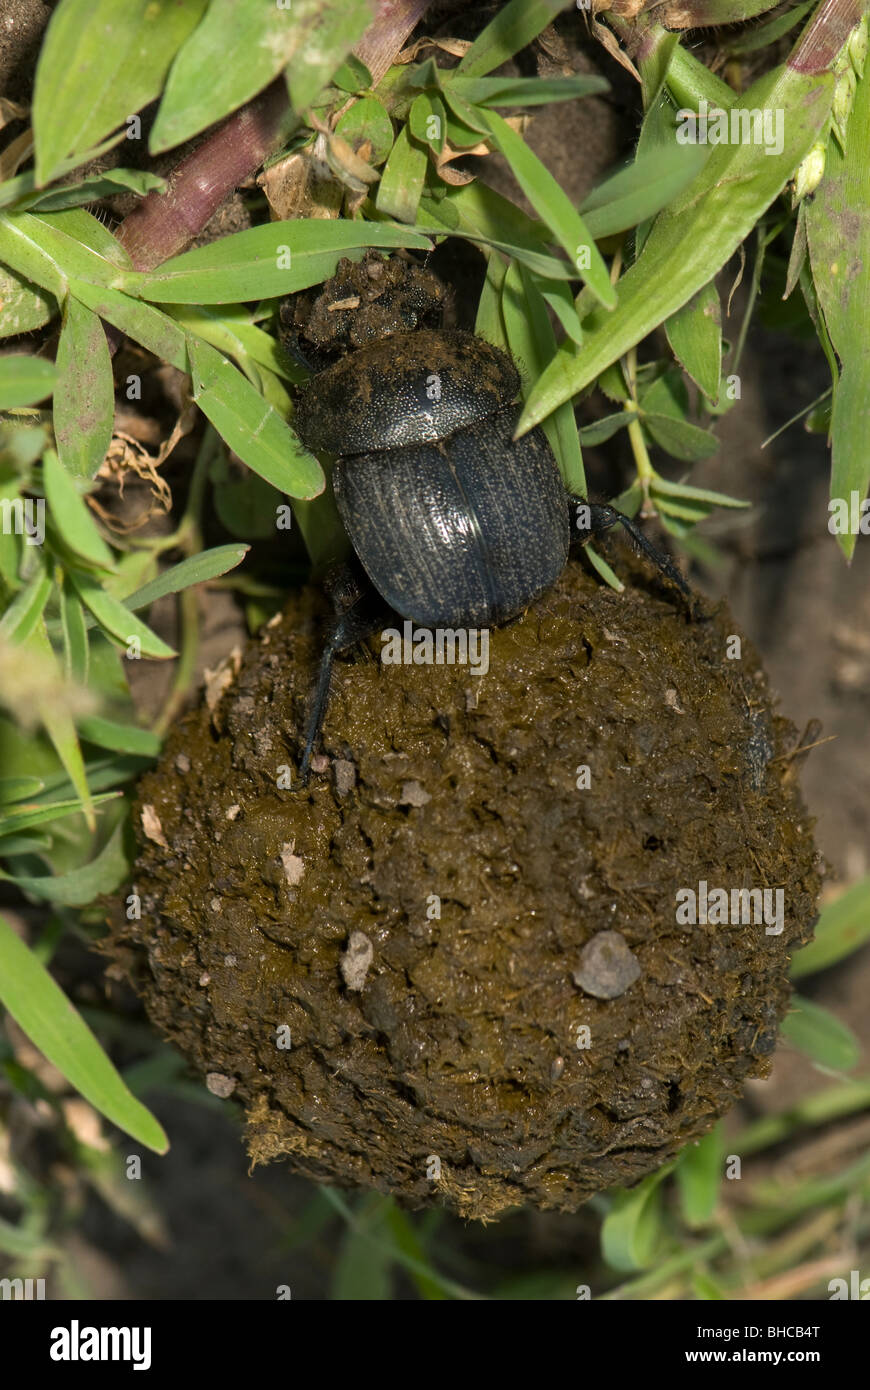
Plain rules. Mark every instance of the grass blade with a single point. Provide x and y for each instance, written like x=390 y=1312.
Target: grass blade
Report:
x=263 y=262
x=694 y=237
x=43 y=1011
x=24 y=380
x=100 y=62
x=250 y=426
x=72 y=519
x=84 y=409
x=554 y=207
x=843 y=927
x=838 y=238
x=819 y=1035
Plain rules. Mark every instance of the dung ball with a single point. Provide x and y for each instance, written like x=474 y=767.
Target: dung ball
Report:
x=527 y=931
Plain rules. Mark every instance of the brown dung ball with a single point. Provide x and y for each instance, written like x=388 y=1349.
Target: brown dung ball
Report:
x=497 y=953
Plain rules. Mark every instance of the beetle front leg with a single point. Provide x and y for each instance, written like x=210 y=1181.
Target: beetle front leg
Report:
x=594 y=518
x=367 y=615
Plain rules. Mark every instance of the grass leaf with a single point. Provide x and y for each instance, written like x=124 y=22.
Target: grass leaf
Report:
x=104 y=185
x=632 y=1228
x=531 y=342
x=75 y=634
x=838 y=238
x=695 y=335
x=116 y=619
x=27 y=608
x=60 y=727
x=250 y=426
x=72 y=518
x=277 y=258
x=84 y=408
x=699 y=1175
x=79 y=887
x=513 y=28
x=554 y=207
x=24 y=380
x=23 y=305
x=482 y=215
x=641 y=190
x=525 y=91
x=401 y=184
x=195 y=570
x=100 y=62
x=25 y=816
x=119 y=738
x=43 y=1011
x=18 y=788
x=693 y=237
x=819 y=1035
x=843 y=927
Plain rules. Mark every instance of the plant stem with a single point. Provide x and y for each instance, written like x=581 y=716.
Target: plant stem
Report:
x=164 y=223
x=824 y=36
x=645 y=470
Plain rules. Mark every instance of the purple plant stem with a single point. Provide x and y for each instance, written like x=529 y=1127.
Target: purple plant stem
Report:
x=824 y=36
x=384 y=37
x=163 y=224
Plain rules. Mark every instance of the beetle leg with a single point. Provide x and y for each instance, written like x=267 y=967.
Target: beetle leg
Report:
x=367 y=615
x=599 y=517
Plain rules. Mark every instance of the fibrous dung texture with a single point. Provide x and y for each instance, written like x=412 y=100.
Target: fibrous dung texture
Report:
x=461 y=966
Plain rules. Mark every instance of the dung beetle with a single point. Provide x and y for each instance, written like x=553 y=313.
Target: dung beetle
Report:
x=456 y=523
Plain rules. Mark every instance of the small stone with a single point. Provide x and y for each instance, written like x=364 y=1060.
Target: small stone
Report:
x=672 y=700
x=233 y=811
x=220 y=1085
x=344 y=772
x=152 y=827
x=182 y=763
x=294 y=867
x=607 y=966
x=413 y=795
x=356 y=960
x=219 y=680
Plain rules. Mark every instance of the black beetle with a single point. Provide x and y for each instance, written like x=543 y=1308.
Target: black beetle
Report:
x=456 y=523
